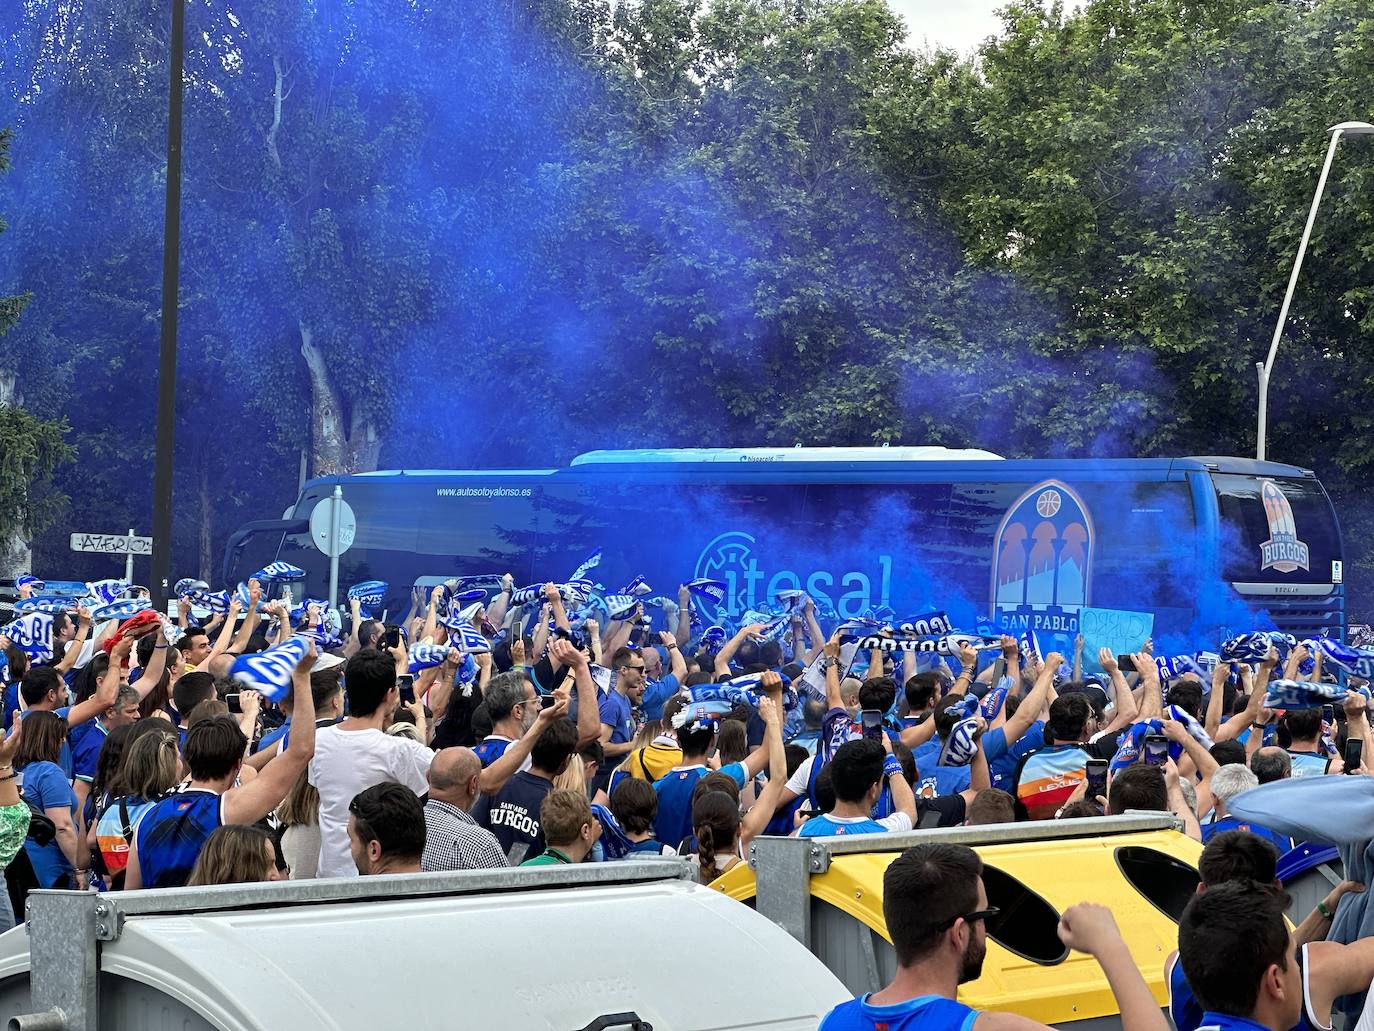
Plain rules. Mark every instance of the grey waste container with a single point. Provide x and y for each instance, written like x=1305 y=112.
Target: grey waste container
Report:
x=549 y=949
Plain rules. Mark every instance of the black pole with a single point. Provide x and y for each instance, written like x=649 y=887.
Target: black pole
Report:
x=160 y=583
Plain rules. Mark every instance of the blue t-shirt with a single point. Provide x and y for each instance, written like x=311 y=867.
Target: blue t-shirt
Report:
x=273 y=736
x=674 y=789
x=46 y=787
x=1002 y=759
x=1309 y=764
x=618 y=714
x=11 y=705
x=170 y=835
x=1188 y=1014
x=656 y=694
x=512 y=814
x=66 y=761
x=87 y=741
x=1231 y=823
x=491 y=748
x=826 y=826
x=924 y=1013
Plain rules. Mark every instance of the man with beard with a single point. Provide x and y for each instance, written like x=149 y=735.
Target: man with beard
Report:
x=937 y=911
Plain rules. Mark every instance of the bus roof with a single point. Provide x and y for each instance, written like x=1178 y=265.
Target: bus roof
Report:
x=880 y=461
x=693 y=456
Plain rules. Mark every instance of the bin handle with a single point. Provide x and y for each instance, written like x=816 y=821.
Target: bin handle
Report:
x=610 y=1020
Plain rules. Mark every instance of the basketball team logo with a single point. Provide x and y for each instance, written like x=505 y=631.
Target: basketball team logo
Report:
x=1282 y=551
x=1042 y=563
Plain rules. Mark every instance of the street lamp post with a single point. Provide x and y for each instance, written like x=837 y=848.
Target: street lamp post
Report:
x=1266 y=367
x=160 y=583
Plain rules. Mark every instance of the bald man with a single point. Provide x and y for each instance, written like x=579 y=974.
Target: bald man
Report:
x=453 y=840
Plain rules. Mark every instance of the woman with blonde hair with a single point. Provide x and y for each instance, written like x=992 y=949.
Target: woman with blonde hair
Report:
x=150 y=767
x=236 y=854
x=299 y=814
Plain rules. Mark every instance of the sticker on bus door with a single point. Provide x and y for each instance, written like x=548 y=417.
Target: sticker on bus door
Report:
x=1042 y=562
x=1283 y=550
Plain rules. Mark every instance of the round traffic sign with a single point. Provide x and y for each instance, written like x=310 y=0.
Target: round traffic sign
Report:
x=320 y=519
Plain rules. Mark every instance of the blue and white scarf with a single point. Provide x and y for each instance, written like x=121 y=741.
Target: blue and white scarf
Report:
x=468 y=638
x=638 y=587
x=269 y=672
x=1190 y=723
x=368 y=595
x=1300 y=694
x=51 y=604
x=928 y=624
x=620 y=606
x=588 y=564
x=186 y=587
x=1246 y=648
x=700 y=715
x=32 y=635
x=1358 y=662
x=713 y=637
x=711 y=590
x=120 y=609
x=107 y=590
x=216 y=601
x=26 y=580
x=427 y=656
x=278 y=572
x=938 y=644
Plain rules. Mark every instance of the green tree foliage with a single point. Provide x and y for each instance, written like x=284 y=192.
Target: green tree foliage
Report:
x=30 y=448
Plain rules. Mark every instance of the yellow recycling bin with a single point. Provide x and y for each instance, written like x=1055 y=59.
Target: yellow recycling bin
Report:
x=828 y=893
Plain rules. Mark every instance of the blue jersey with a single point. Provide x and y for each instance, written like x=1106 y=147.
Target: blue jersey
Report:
x=1308 y=764
x=1188 y=1015
x=674 y=789
x=1231 y=823
x=826 y=826
x=46 y=787
x=273 y=736
x=491 y=748
x=1003 y=758
x=618 y=714
x=171 y=834
x=924 y=1013
x=87 y=741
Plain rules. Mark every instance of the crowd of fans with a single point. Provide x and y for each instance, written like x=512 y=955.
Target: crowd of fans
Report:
x=249 y=739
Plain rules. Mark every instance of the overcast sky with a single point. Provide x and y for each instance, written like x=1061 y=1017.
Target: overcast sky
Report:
x=959 y=24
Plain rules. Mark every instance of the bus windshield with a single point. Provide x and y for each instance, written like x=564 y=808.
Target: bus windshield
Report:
x=1277 y=531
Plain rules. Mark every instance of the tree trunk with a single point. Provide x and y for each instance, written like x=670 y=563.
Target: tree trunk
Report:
x=15 y=554
x=335 y=450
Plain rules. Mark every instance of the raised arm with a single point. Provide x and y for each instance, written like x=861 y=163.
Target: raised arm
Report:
x=833 y=699
x=769 y=798
x=813 y=627
x=1016 y=727
x=683 y=632
x=1124 y=710
x=903 y=798
x=432 y=615
x=152 y=673
x=588 y=710
x=541 y=634
x=355 y=619
x=1078 y=657
x=74 y=646
x=494 y=777
x=1259 y=687
x=727 y=653
x=1011 y=653
x=1212 y=719
x=500 y=605
x=254 y=800
x=107 y=690
x=677 y=665
x=1151 y=694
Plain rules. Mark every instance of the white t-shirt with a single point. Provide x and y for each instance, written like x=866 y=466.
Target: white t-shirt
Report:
x=347 y=762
